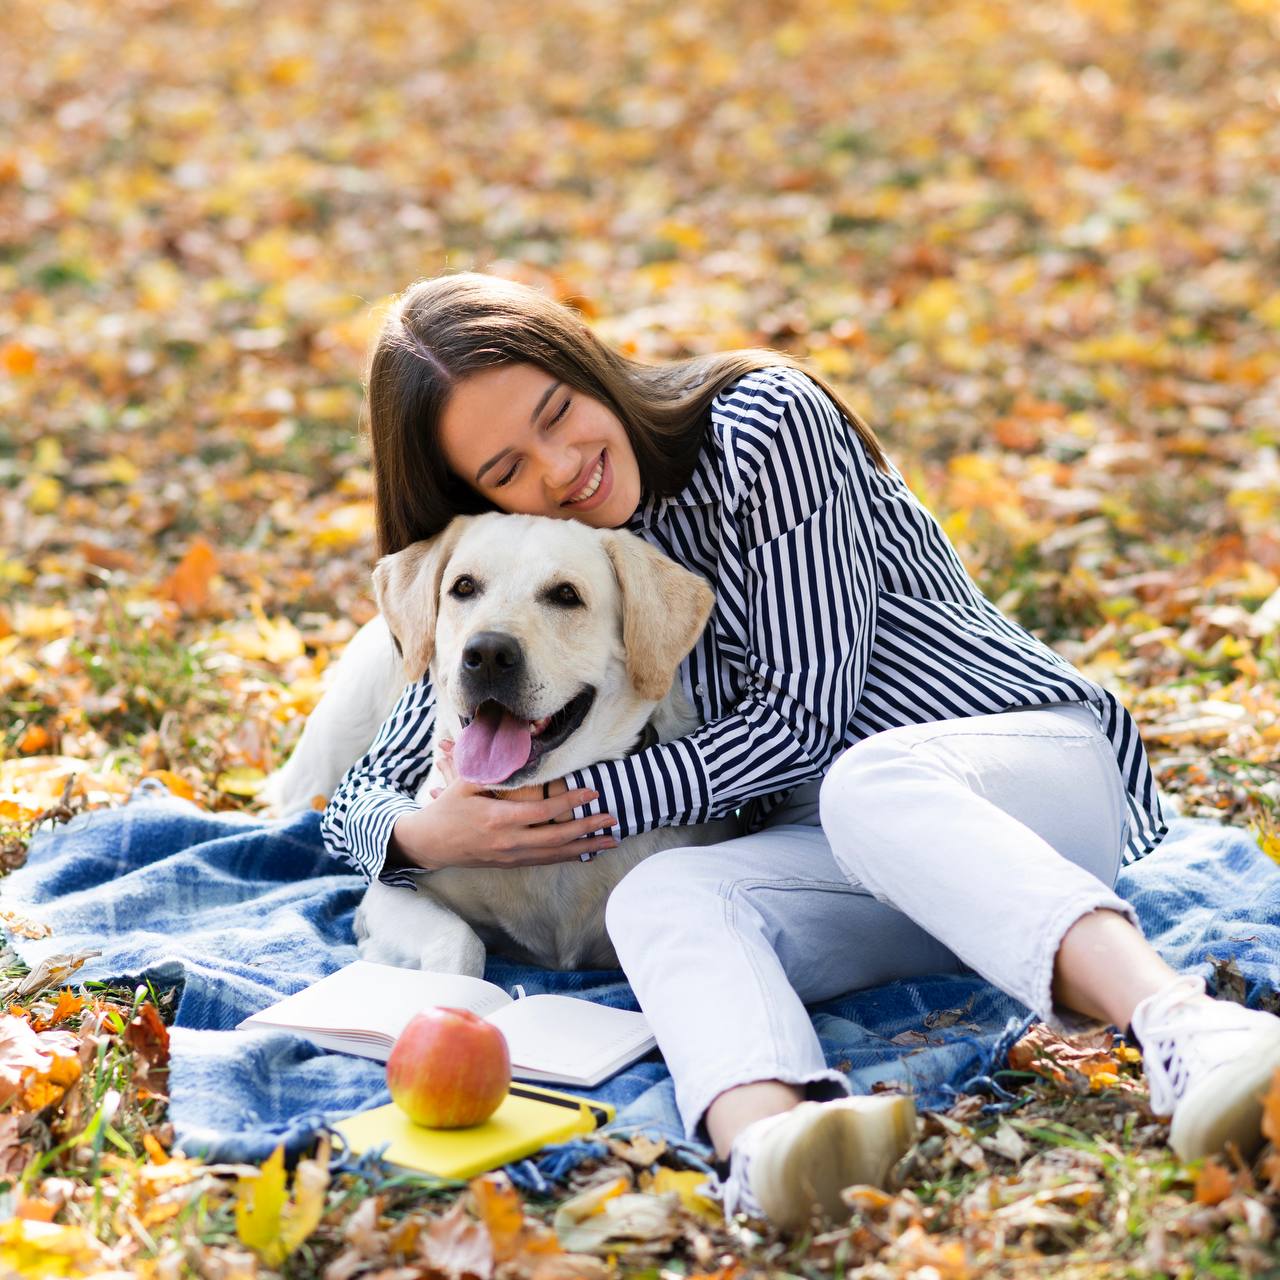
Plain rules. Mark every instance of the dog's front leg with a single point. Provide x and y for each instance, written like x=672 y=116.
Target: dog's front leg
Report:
x=412 y=930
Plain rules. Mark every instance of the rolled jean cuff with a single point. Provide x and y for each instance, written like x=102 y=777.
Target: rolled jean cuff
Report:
x=1040 y=998
x=695 y=1100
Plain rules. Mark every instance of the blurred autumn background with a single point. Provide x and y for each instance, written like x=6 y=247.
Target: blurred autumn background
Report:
x=1036 y=243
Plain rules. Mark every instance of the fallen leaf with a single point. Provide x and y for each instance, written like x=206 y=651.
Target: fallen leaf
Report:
x=244 y=780
x=69 y=1004
x=1271 y=1111
x=147 y=1036
x=27 y=1055
x=1214 y=1183
x=457 y=1247
x=177 y=786
x=188 y=585
x=44 y=1250
x=265 y=1219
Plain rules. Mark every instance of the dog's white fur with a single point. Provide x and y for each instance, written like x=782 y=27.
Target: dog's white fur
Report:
x=641 y=615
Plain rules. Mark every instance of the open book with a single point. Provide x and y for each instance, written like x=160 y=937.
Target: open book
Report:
x=364 y=1007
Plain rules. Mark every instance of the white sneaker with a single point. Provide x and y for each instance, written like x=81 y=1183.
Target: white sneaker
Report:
x=787 y=1167
x=1208 y=1064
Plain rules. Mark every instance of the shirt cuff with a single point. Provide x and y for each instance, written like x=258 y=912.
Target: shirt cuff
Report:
x=664 y=785
x=370 y=819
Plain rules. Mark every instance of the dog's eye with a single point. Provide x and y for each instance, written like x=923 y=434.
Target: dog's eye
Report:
x=462 y=588
x=565 y=594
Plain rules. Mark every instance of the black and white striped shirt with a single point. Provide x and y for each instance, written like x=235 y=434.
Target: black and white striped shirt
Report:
x=841 y=610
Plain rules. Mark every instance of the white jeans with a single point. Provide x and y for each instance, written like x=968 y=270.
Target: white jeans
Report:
x=961 y=843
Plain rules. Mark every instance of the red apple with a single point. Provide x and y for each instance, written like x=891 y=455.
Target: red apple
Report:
x=449 y=1069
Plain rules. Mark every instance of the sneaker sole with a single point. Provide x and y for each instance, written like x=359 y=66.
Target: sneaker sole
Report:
x=1227 y=1110
x=840 y=1144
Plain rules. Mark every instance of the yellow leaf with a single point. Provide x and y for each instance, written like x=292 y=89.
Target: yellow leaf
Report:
x=120 y=470
x=243 y=780
x=43 y=1250
x=331 y=402
x=343 y=527
x=687 y=1185
x=1268 y=311
x=937 y=308
x=260 y=1201
x=36 y=782
x=46 y=495
x=43 y=623
x=49 y=459
x=14 y=571
x=266 y=1220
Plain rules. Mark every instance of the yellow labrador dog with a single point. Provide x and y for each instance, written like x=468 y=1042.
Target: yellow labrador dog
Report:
x=551 y=646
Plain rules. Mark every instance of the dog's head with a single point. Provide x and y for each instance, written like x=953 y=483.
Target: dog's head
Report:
x=548 y=642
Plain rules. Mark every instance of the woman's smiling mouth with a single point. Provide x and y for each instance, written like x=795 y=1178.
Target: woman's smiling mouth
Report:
x=596 y=487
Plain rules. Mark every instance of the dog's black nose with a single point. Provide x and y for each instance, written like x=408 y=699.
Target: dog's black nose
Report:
x=492 y=656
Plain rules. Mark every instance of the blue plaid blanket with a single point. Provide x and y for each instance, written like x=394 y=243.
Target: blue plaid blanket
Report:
x=242 y=912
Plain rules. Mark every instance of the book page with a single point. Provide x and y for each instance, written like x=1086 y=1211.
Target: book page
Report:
x=381 y=998
x=574 y=1041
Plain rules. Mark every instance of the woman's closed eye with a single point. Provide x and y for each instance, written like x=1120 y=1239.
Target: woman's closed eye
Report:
x=564 y=408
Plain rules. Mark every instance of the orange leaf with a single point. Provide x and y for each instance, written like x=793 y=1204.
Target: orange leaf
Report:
x=18 y=359
x=179 y=787
x=1271 y=1111
x=36 y=1210
x=35 y=738
x=1213 y=1183
x=188 y=585
x=148 y=1037
x=68 y=1005
x=498 y=1206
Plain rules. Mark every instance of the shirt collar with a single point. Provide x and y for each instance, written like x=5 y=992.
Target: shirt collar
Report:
x=702 y=489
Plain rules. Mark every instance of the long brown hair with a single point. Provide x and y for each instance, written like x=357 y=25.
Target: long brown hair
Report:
x=439 y=331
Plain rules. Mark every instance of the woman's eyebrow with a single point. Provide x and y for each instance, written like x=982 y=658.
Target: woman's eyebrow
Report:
x=533 y=417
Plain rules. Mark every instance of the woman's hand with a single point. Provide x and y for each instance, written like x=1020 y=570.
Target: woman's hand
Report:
x=465 y=825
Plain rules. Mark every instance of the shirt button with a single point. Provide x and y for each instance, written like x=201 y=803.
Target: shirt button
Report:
x=699 y=689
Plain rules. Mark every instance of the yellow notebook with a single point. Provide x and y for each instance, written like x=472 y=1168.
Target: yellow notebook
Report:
x=528 y=1120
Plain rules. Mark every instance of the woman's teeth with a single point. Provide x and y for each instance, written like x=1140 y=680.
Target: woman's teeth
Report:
x=592 y=485
x=537 y=726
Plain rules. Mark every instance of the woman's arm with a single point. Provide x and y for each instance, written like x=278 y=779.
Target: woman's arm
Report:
x=381 y=786
x=805 y=594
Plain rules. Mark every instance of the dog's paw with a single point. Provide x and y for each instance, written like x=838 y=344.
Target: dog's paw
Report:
x=382 y=950
x=457 y=951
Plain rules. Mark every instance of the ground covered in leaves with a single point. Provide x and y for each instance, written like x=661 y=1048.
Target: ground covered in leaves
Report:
x=1035 y=243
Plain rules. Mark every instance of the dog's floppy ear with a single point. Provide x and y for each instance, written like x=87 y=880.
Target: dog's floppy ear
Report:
x=664 y=608
x=407 y=588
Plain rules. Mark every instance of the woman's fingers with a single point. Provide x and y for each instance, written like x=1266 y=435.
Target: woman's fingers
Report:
x=534 y=813
x=555 y=834
x=570 y=852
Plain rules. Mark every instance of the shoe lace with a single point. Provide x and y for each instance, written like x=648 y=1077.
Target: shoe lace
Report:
x=1166 y=1025
x=733 y=1189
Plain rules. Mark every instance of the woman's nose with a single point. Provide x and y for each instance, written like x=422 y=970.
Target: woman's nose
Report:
x=560 y=471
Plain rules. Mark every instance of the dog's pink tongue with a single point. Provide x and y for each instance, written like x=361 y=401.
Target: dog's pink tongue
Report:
x=493 y=746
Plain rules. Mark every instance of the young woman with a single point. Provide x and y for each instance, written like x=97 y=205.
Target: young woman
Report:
x=925 y=785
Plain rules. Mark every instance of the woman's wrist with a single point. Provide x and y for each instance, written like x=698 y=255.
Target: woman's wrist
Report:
x=402 y=853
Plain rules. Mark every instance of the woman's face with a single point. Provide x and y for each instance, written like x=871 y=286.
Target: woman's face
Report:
x=533 y=446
